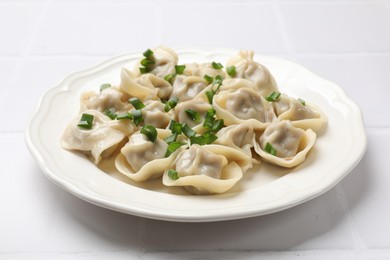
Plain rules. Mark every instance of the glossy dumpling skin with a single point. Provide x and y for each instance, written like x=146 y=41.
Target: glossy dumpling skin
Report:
x=302 y=116
x=98 y=142
x=132 y=88
x=292 y=144
x=153 y=114
x=108 y=98
x=202 y=69
x=244 y=105
x=247 y=68
x=238 y=136
x=141 y=159
x=162 y=87
x=208 y=169
x=188 y=87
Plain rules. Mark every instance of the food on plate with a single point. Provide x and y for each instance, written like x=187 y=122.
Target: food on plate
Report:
x=200 y=126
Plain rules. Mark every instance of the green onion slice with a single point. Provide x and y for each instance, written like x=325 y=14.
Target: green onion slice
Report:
x=147 y=63
x=104 y=86
x=208 y=78
x=270 y=149
x=137 y=104
x=148 y=54
x=85 y=121
x=174 y=175
x=303 y=102
x=193 y=115
x=145 y=70
x=170 y=78
x=172 y=147
x=110 y=113
x=231 y=71
x=187 y=131
x=272 y=97
x=216 y=65
x=171 y=138
x=180 y=69
x=210 y=96
x=209 y=137
x=150 y=132
x=217 y=80
x=217 y=125
x=125 y=115
x=171 y=103
x=209 y=120
x=175 y=127
x=137 y=116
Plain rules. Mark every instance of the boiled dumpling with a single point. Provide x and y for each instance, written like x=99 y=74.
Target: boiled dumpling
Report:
x=165 y=60
x=207 y=169
x=198 y=105
x=99 y=141
x=285 y=145
x=141 y=159
x=238 y=136
x=161 y=86
x=153 y=114
x=108 y=98
x=247 y=68
x=200 y=70
x=186 y=88
x=130 y=86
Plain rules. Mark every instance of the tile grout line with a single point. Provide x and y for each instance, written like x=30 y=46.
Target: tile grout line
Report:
x=360 y=247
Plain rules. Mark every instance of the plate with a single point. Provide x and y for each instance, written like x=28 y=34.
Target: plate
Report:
x=263 y=190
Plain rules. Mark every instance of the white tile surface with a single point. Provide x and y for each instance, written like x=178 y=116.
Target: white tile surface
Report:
x=347 y=42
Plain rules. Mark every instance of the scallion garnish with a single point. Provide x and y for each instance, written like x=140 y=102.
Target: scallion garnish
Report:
x=110 y=113
x=187 y=131
x=303 y=102
x=180 y=69
x=170 y=78
x=144 y=70
x=85 y=121
x=104 y=86
x=148 y=54
x=137 y=116
x=216 y=65
x=147 y=63
x=272 y=97
x=217 y=80
x=171 y=103
x=193 y=115
x=125 y=115
x=209 y=120
x=172 y=147
x=208 y=78
x=270 y=149
x=171 y=138
x=150 y=132
x=175 y=127
x=209 y=137
x=137 y=104
x=210 y=96
x=174 y=175
x=217 y=125
x=231 y=71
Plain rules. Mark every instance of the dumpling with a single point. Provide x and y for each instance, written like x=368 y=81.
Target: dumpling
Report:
x=301 y=114
x=161 y=86
x=101 y=140
x=130 y=86
x=108 y=98
x=238 y=136
x=198 y=105
x=247 y=68
x=243 y=105
x=200 y=70
x=141 y=159
x=186 y=88
x=165 y=61
x=207 y=169
x=285 y=145
x=154 y=114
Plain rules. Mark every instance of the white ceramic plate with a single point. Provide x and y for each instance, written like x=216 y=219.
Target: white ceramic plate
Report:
x=263 y=190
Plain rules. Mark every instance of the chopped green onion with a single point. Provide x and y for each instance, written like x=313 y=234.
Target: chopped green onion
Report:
x=170 y=78
x=137 y=104
x=85 y=121
x=171 y=138
x=171 y=103
x=147 y=63
x=210 y=96
x=209 y=119
x=187 y=131
x=172 y=147
x=180 y=69
x=197 y=140
x=174 y=175
x=208 y=78
x=150 y=132
x=125 y=115
x=175 y=127
x=137 y=116
x=194 y=115
x=209 y=137
x=216 y=65
x=148 y=54
x=303 y=102
x=104 y=86
x=145 y=70
x=217 y=125
x=231 y=71
x=270 y=149
x=273 y=96
x=217 y=80
x=110 y=113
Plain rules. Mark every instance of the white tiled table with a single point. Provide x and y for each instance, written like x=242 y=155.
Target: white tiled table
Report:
x=347 y=42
